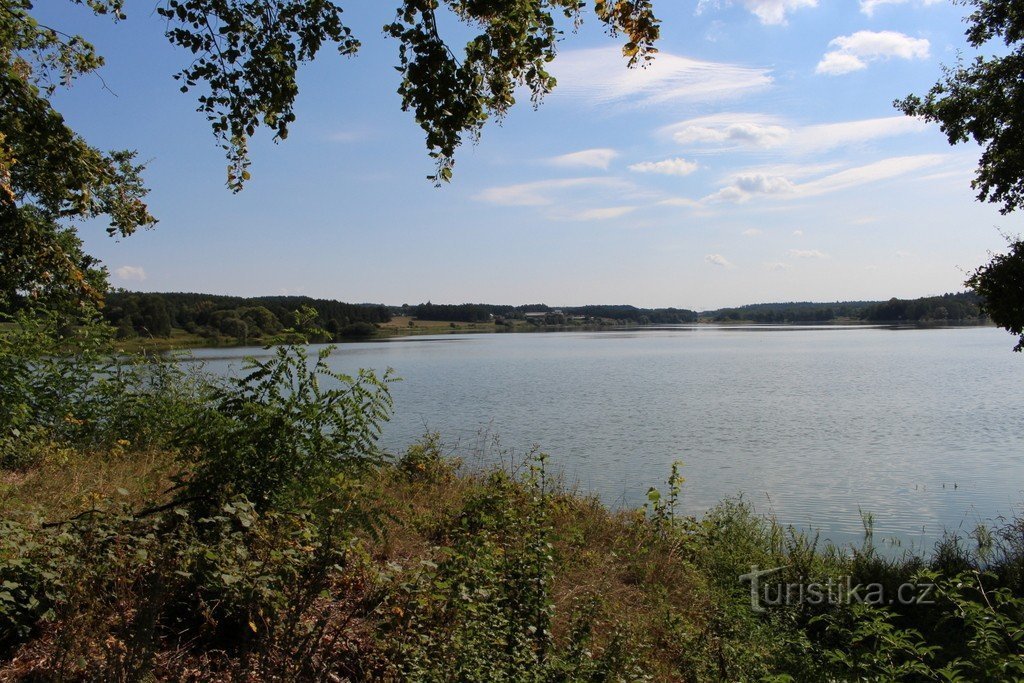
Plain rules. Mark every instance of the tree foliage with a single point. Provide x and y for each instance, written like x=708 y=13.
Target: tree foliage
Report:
x=454 y=97
x=48 y=173
x=247 y=53
x=247 y=319
x=1001 y=283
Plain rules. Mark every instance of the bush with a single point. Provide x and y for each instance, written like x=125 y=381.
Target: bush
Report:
x=278 y=436
x=358 y=330
x=62 y=384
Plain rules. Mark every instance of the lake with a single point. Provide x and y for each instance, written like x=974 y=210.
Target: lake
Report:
x=920 y=427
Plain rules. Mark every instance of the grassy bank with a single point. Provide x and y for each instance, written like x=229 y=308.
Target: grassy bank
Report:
x=156 y=525
x=463 y=574
x=398 y=327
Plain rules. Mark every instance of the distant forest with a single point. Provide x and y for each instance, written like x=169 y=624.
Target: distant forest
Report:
x=239 y=318
x=962 y=307
x=553 y=315
x=232 y=318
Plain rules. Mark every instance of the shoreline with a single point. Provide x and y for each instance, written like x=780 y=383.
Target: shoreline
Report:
x=181 y=340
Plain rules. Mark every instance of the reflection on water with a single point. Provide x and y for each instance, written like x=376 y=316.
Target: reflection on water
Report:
x=922 y=428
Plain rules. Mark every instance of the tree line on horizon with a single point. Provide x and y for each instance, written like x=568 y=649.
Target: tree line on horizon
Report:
x=262 y=318
x=486 y=312
x=950 y=307
x=242 y=318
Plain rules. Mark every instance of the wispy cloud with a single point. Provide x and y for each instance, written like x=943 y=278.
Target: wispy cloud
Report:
x=745 y=185
x=735 y=131
x=600 y=76
x=854 y=52
x=868 y=7
x=675 y=166
x=130 y=273
x=601 y=214
x=751 y=232
x=775 y=11
x=777 y=266
x=870 y=173
x=771 y=12
x=717 y=260
x=543 y=192
x=346 y=136
x=807 y=253
x=826 y=136
x=587 y=158
x=681 y=201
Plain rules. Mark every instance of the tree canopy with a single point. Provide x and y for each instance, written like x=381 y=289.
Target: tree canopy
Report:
x=983 y=100
x=1001 y=284
x=48 y=173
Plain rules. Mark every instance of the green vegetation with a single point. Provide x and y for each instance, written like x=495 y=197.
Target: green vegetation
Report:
x=1001 y=283
x=230 y=319
x=793 y=312
x=160 y=525
x=543 y=314
x=965 y=307
x=954 y=308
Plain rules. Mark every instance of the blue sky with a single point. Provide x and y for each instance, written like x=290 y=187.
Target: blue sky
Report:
x=758 y=159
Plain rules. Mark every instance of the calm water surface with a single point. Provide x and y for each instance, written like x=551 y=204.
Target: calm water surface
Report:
x=922 y=428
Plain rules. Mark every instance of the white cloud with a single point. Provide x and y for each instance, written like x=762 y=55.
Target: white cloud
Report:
x=588 y=158
x=902 y=254
x=870 y=173
x=734 y=131
x=838 y=63
x=777 y=266
x=745 y=185
x=542 y=192
x=751 y=232
x=806 y=253
x=600 y=77
x=772 y=12
x=826 y=136
x=729 y=130
x=130 y=273
x=602 y=214
x=717 y=260
x=674 y=166
x=868 y=7
x=681 y=201
x=798 y=233
x=855 y=51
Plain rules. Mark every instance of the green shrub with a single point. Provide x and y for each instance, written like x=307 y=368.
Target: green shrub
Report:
x=63 y=384
x=277 y=436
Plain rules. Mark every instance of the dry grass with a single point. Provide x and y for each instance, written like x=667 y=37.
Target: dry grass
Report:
x=611 y=570
x=67 y=482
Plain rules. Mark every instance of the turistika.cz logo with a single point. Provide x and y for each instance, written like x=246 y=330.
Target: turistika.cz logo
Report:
x=766 y=593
